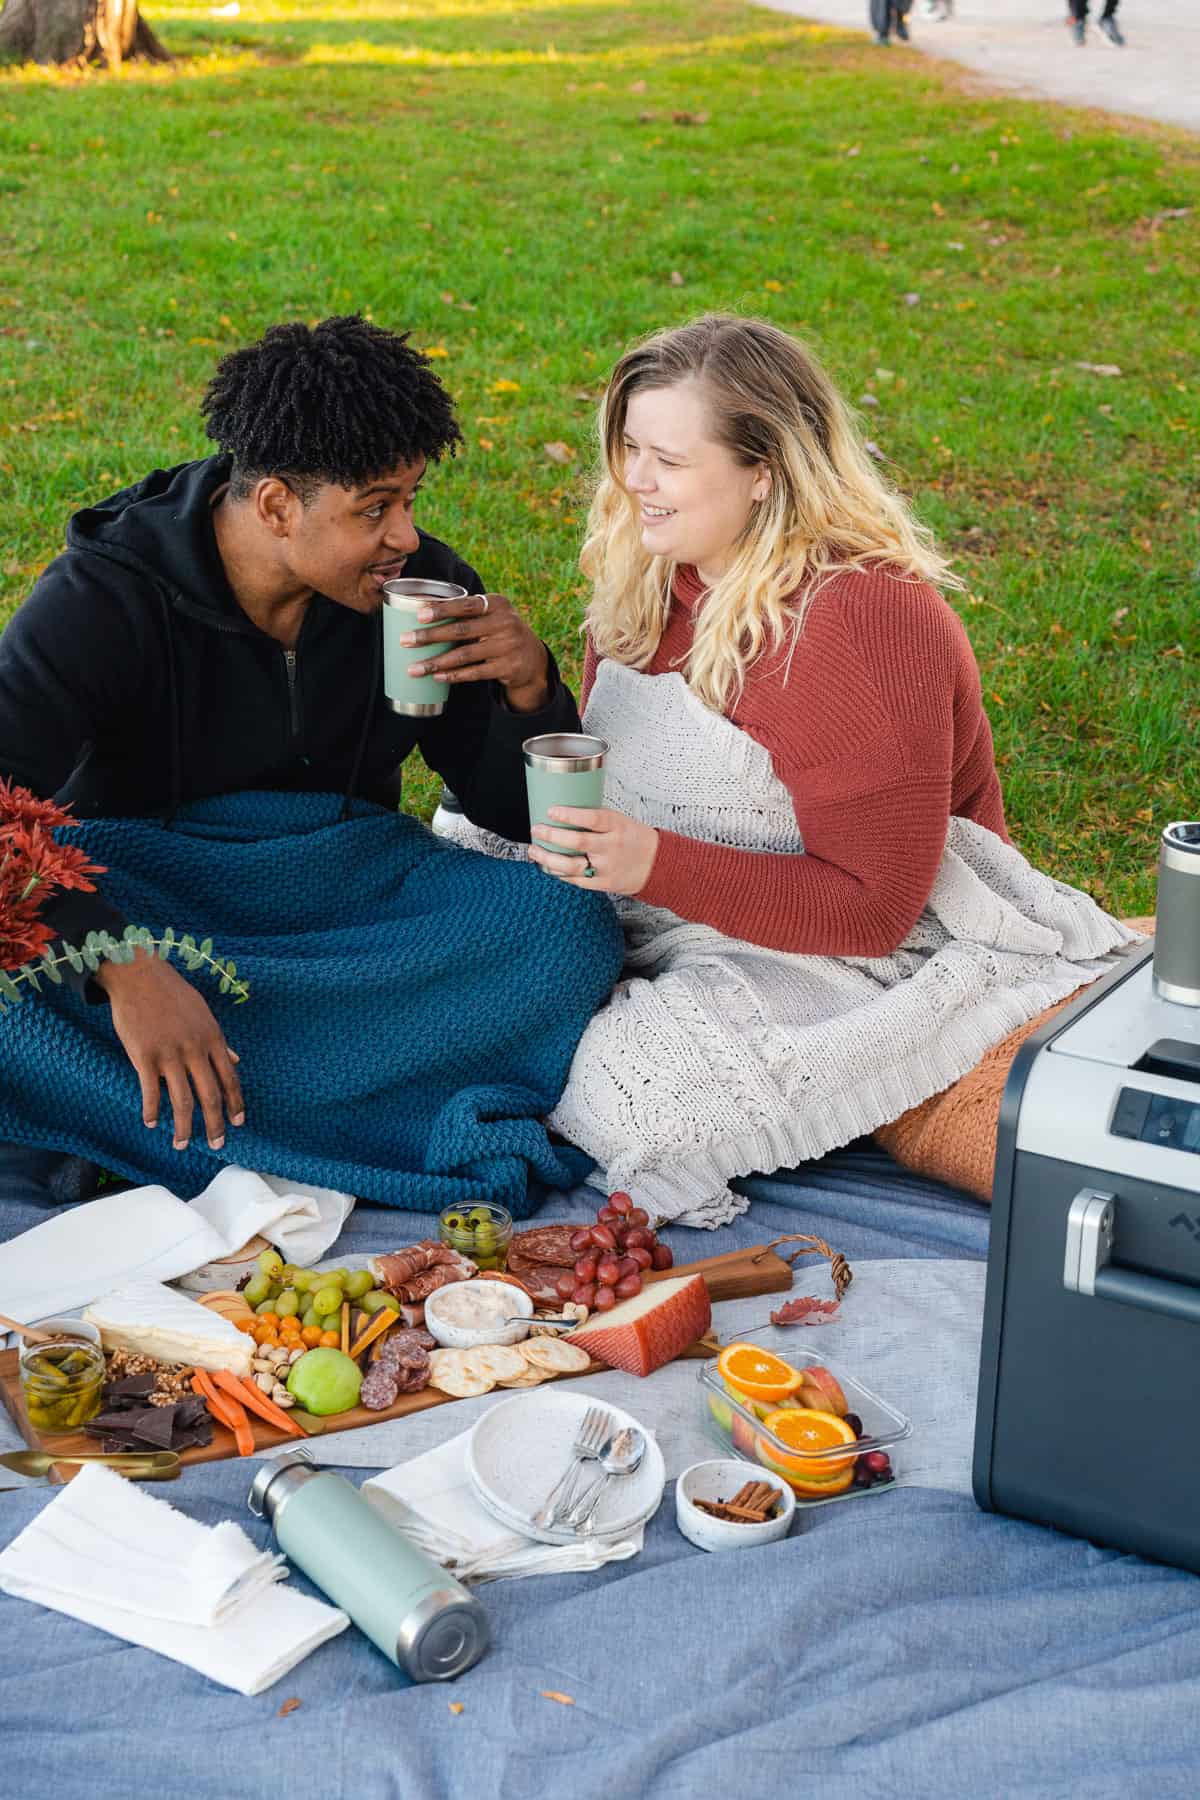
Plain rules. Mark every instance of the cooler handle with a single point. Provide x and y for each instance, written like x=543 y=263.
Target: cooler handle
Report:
x=1091 y=1229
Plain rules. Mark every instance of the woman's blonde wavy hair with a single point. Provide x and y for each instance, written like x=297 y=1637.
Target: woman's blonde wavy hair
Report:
x=770 y=403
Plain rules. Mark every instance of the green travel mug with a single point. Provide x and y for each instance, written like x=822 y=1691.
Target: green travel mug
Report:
x=563 y=768
x=419 y=696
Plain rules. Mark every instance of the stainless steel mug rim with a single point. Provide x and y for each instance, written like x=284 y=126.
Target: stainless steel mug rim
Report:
x=1181 y=846
x=575 y=752
x=407 y=587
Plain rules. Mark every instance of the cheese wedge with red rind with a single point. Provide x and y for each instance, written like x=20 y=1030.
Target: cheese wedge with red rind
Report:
x=642 y=1334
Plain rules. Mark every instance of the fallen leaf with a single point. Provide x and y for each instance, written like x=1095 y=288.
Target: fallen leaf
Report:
x=912 y=299
x=559 y=452
x=434 y=351
x=675 y=278
x=689 y=118
x=868 y=399
x=1099 y=368
x=885 y=374
x=289 y=1706
x=486 y=444
x=1122 y=612
x=637 y=87
x=773 y=287
x=563 y=1699
x=455 y=1706
x=805 y=1310
x=504 y=386
x=854 y=150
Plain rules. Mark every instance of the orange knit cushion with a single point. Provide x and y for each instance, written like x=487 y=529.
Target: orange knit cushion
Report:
x=952 y=1136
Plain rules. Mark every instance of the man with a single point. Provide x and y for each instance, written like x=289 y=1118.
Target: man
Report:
x=214 y=629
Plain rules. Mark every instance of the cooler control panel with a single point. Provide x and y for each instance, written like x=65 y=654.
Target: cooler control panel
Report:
x=1157 y=1119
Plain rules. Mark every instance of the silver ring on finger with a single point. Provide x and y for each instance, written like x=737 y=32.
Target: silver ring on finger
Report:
x=486 y=602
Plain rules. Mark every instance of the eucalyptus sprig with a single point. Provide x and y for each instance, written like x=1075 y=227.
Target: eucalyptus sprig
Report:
x=101 y=946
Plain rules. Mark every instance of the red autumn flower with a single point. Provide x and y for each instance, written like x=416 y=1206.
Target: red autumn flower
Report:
x=33 y=867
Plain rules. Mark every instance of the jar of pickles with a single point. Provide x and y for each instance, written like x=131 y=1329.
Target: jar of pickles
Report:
x=481 y=1232
x=61 y=1381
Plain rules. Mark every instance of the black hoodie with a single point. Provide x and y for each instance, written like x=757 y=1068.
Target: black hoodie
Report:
x=132 y=682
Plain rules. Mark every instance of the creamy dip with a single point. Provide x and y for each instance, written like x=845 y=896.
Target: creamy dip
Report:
x=473 y=1308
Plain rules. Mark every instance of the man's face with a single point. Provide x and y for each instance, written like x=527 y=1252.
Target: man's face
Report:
x=348 y=541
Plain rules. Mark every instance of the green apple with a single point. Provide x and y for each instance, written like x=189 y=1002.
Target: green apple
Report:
x=325 y=1381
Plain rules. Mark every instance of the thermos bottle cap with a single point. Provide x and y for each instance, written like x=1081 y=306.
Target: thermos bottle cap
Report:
x=297 y=1466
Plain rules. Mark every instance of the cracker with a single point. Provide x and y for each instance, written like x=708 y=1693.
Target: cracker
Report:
x=555 y=1356
x=495 y=1362
x=532 y=1378
x=448 y=1371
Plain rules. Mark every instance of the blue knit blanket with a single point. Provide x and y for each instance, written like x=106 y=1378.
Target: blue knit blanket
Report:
x=413 y=1012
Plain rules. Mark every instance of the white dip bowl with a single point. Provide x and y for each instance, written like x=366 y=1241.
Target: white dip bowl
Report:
x=458 y=1297
x=721 y=1481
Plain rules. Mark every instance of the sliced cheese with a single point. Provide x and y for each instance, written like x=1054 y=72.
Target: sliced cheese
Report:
x=152 y=1320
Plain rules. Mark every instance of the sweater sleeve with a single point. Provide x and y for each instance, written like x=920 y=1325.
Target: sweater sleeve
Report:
x=861 y=734
x=67 y=667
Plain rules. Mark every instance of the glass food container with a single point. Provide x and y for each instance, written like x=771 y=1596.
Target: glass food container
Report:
x=61 y=1382
x=481 y=1232
x=817 y=1475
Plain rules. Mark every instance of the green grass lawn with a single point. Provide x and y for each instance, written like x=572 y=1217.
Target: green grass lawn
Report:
x=528 y=187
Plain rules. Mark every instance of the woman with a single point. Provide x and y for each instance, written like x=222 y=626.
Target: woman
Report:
x=825 y=920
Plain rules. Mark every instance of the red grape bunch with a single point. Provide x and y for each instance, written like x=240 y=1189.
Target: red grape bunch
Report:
x=613 y=1254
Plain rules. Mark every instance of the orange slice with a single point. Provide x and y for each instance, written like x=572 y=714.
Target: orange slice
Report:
x=755 y=1374
x=808 y=1433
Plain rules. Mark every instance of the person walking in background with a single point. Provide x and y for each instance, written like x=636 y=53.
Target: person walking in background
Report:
x=888 y=16
x=1107 y=22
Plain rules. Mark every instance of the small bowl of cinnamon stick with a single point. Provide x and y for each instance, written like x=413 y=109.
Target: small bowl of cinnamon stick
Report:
x=729 y=1505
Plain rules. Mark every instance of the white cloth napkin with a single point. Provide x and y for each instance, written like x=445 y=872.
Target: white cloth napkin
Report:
x=149 y=1234
x=431 y=1502
x=109 y=1553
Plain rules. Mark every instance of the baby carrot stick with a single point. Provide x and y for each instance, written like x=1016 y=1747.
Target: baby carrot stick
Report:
x=247 y=1394
x=230 y=1412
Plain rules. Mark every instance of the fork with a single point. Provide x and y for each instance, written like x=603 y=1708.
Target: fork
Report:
x=590 y=1440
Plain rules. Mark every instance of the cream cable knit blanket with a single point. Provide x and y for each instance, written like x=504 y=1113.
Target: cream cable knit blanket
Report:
x=716 y=1058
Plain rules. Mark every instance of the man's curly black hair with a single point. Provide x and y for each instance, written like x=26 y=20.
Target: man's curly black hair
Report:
x=342 y=402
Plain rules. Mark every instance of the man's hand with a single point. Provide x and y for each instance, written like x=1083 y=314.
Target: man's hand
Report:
x=169 y=1034
x=619 y=852
x=495 y=644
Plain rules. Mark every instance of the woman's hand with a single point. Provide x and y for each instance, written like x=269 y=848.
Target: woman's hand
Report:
x=619 y=852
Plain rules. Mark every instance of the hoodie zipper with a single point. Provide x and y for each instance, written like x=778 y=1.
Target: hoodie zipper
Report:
x=289 y=662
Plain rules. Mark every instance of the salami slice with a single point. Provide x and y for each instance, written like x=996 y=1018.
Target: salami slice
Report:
x=380 y=1389
x=543 y=1244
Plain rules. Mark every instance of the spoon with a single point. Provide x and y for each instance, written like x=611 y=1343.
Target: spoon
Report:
x=622 y=1456
x=138 y=1465
x=523 y=1319
x=33 y=1333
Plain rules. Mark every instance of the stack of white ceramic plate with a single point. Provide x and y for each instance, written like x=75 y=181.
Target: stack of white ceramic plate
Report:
x=518 y=1450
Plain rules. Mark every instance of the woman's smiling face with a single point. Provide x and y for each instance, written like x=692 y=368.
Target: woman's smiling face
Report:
x=695 y=498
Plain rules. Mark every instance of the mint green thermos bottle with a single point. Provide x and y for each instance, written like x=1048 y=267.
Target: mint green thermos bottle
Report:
x=420 y=1617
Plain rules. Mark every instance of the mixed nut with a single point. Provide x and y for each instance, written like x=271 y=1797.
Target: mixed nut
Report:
x=269 y=1372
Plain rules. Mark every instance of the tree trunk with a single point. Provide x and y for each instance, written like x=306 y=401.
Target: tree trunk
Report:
x=66 y=31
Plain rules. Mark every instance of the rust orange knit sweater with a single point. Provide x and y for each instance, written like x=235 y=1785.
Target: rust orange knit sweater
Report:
x=878 y=733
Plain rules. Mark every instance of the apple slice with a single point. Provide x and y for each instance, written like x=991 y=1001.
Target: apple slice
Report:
x=653 y=1328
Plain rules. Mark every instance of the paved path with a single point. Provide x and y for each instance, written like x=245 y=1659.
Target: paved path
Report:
x=1024 y=44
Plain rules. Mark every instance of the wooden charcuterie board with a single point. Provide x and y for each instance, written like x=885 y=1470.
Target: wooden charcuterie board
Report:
x=738 y=1275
